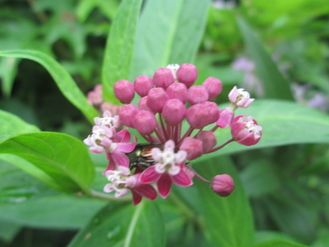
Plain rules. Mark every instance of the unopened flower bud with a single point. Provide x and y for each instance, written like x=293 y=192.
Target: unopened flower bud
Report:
x=156 y=99
x=225 y=118
x=245 y=130
x=213 y=86
x=173 y=111
x=193 y=147
x=200 y=115
x=95 y=96
x=124 y=91
x=142 y=85
x=142 y=104
x=163 y=77
x=177 y=90
x=187 y=74
x=222 y=184
x=144 y=122
x=240 y=97
x=208 y=139
x=197 y=94
x=126 y=114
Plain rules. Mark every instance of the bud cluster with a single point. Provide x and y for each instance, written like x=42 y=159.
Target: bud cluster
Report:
x=178 y=121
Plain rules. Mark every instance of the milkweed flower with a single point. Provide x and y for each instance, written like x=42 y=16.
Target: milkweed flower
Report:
x=178 y=121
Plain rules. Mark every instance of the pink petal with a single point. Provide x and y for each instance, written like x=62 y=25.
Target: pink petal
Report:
x=120 y=159
x=125 y=147
x=136 y=198
x=164 y=185
x=122 y=136
x=111 y=164
x=147 y=191
x=149 y=175
x=182 y=179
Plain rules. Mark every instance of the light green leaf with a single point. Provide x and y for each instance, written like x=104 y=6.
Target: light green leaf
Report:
x=283 y=123
x=171 y=35
x=10 y=126
x=63 y=158
x=124 y=226
x=8 y=69
x=61 y=77
x=275 y=85
x=281 y=243
x=120 y=46
x=228 y=220
x=51 y=211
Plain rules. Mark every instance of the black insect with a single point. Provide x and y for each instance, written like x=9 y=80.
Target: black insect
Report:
x=141 y=157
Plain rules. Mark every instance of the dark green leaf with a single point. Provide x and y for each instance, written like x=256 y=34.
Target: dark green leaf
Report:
x=280 y=243
x=124 y=226
x=275 y=85
x=120 y=46
x=169 y=31
x=228 y=220
x=8 y=230
x=61 y=77
x=63 y=158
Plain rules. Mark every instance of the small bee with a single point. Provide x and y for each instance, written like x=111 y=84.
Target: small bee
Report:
x=141 y=157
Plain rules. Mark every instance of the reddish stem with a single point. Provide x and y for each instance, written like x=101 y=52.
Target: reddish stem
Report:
x=221 y=146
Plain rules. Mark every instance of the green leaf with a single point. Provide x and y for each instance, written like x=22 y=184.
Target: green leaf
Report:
x=228 y=220
x=120 y=46
x=51 y=211
x=124 y=226
x=283 y=123
x=61 y=77
x=8 y=230
x=8 y=70
x=10 y=126
x=275 y=85
x=63 y=158
x=171 y=35
x=281 y=243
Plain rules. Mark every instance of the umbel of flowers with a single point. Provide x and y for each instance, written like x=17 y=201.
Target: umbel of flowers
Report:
x=178 y=121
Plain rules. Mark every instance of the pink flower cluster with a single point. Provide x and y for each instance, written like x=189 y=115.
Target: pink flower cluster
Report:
x=178 y=121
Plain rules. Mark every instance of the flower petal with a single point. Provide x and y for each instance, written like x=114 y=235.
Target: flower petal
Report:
x=146 y=190
x=125 y=147
x=169 y=145
x=122 y=136
x=136 y=198
x=156 y=154
x=120 y=159
x=182 y=179
x=149 y=175
x=164 y=185
x=180 y=156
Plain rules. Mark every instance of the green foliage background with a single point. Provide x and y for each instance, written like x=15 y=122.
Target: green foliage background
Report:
x=53 y=52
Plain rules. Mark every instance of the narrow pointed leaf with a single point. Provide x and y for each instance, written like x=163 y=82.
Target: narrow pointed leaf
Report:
x=275 y=85
x=63 y=158
x=124 y=226
x=169 y=31
x=61 y=77
x=120 y=46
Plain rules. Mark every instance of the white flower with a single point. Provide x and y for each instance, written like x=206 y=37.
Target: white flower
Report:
x=99 y=138
x=240 y=97
x=119 y=181
x=251 y=126
x=108 y=120
x=167 y=160
x=173 y=68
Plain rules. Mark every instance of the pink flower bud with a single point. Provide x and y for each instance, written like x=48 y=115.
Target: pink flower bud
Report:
x=225 y=118
x=208 y=139
x=187 y=74
x=142 y=85
x=211 y=111
x=144 y=122
x=95 y=96
x=173 y=111
x=113 y=109
x=213 y=86
x=156 y=99
x=222 y=184
x=126 y=114
x=124 y=91
x=200 y=115
x=245 y=130
x=240 y=97
x=163 y=77
x=177 y=91
x=197 y=94
x=143 y=104
x=193 y=147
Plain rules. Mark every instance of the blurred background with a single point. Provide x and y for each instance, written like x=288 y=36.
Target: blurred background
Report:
x=287 y=186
